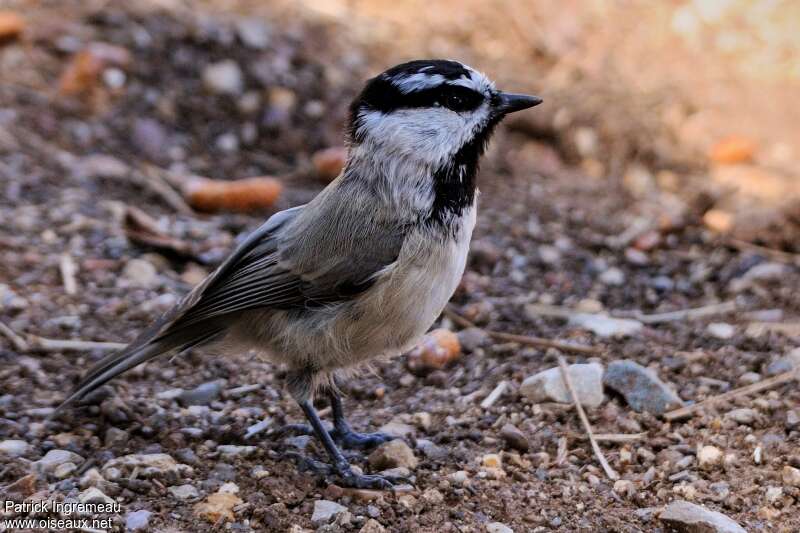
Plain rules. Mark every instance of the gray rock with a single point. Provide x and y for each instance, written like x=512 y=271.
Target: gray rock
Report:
x=14 y=448
x=548 y=385
x=54 y=458
x=254 y=33
x=95 y=495
x=137 y=520
x=641 y=388
x=300 y=442
x=140 y=273
x=149 y=465
x=721 y=330
x=612 y=276
x=473 y=338
x=742 y=416
x=65 y=470
x=793 y=419
x=498 y=527
x=116 y=436
x=224 y=77
x=397 y=429
x=604 y=325
x=184 y=492
x=685 y=517
x=230 y=451
x=514 y=437
x=431 y=450
x=202 y=394
x=393 y=454
x=787 y=363
x=325 y=511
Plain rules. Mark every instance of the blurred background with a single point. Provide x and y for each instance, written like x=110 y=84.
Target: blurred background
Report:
x=140 y=139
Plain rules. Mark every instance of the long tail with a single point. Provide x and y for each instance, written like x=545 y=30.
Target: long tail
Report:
x=142 y=349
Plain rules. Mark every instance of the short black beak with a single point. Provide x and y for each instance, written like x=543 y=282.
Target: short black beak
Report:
x=505 y=103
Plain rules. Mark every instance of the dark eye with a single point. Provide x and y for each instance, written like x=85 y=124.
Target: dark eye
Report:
x=455 y=102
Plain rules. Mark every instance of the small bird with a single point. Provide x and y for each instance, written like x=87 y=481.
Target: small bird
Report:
x=366 y=267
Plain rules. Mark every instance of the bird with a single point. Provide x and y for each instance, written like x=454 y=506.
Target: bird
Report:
x=361 y=271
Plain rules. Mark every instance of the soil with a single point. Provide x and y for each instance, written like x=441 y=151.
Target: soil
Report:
x=553 y=229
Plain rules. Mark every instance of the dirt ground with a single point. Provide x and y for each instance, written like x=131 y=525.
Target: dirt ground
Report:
x=603 y=212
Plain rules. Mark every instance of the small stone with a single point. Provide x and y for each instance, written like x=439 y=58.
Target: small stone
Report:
x=686 y=517
x=54 y=458
x=100 y=166
x=95 y=495
x=473 y=338
x=432 y=497
x=397 y=429
x=140 y=273
x=721 y=330
x=606 y=326
x=498 y=527
x=791 y=476
x=787 y=363
x=254 y=33
x=515 y=438
x=219 y=506
x=183 y=492
x=393 y=454
x=14 y=448
x=625 y=488
x=326 y=511
x=492 y=460
x=709 y=457
x=116 y=436
x=742 y=416
x=202 y=394
x=641 y=388
x=748 y=378
x=422 y=420
x=612 y=276
x=372 y=526
x=65 y=470
x=459 y=477
x=773 y=494
x=138 y=520
x=792 y=419
x=224 y=77
x=152 y=465
x=548 y=385
x=230 y=451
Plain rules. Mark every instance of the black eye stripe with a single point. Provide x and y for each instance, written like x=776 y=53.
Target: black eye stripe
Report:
x=382 y=95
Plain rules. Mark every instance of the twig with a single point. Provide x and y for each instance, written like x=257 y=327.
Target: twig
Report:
x=68 y=269
x=612 y=475
x=154 y=181
x=682 y=314
x=765 y=384
x=495 y=395
x=617 y=438
x=537 y=342
x=19 y=343
x=56 y=345
x=778 y=255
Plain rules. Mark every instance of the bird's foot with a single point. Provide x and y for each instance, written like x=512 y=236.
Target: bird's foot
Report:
x=348 y=477
x=346 y=438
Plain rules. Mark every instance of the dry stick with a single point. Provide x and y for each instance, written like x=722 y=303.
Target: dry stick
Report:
x=612 y=475
x=495 y=395
x=68 y=269
x=682 y=314
x=778 y=255
x=619 y=438
x=765 y=384
x=56 y=345
x=537 y=342
x=19 y=343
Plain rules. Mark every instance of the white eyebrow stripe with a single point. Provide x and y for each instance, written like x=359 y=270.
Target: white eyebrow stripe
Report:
x=417 y=82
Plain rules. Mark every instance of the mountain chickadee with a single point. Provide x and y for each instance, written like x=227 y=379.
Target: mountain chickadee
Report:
x=366 y=267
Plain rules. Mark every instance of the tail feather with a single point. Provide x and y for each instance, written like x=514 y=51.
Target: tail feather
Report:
x=136 y=353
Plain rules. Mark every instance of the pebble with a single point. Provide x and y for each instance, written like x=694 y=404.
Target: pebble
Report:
x=721 y=330
x=149 y=465
x=709 y=457
x=606 y=326
x=459 y=477
x=742 y=416
x=224 y=77
x=791 y=476
x=115 y=436
x=14 y=448
x=792 y=419
x=254 y=33
x=201 y=395
x=140 y=273
x=65 y=470
x=515 y=438
x=548 y=385
x=773 y=494
x=612 y=276
x=686 y=517
x=640 y=386
x=219 y=506
x=95 y=495
x=54 y=458
x=492 y=460
x=397 y=429
x=372 y=526
x=473 y=338
x=325 y=511
x=230 y=451
x=432 y=451
x=184 y=492
x=748 y=378
x=787 y=363
x=393 y=454
x=138 y=520
x=498 y=527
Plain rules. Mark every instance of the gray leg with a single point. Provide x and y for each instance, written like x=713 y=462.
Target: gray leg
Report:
x=344 y=434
